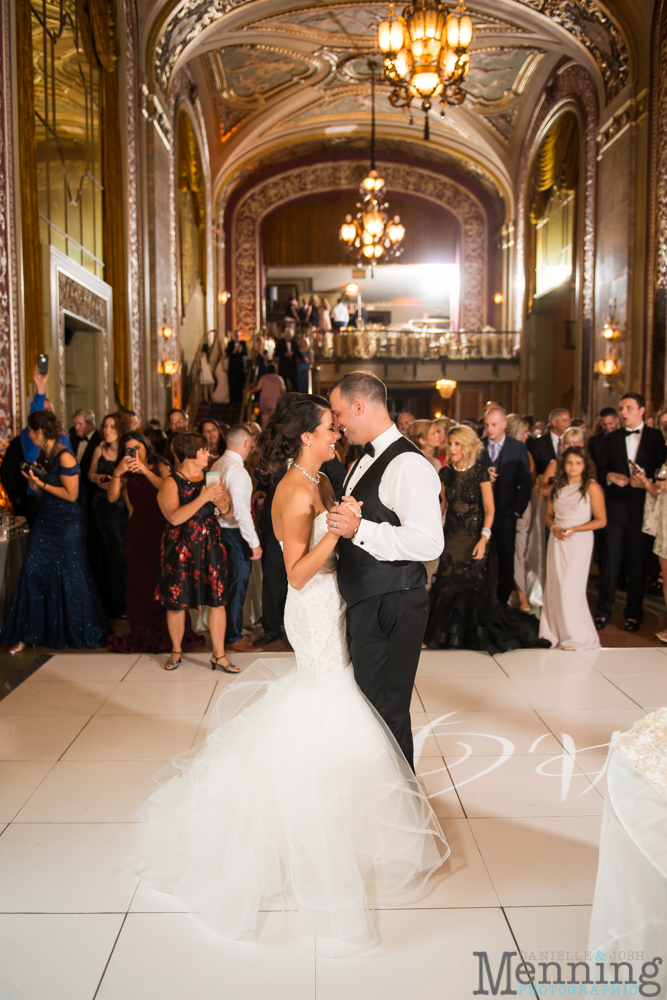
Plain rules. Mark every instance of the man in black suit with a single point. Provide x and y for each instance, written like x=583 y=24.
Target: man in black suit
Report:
x=274 y=577
x=609 y=422
x=509 y=467
x=625 y=493
x=544 y=449
x=84 y=439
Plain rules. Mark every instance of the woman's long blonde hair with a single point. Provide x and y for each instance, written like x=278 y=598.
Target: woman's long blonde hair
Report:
x=469 y=441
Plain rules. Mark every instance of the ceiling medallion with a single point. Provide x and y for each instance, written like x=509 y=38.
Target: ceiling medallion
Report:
x=370 y=237
x=426 y=54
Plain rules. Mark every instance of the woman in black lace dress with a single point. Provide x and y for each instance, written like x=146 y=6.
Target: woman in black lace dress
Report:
x=464 y=611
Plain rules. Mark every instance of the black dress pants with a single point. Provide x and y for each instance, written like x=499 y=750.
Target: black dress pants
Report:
x=385 y=635
x=504 y=538
x=274 y=583
x=628 y=539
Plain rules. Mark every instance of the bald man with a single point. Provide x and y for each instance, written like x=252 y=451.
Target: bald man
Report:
x=404 y=421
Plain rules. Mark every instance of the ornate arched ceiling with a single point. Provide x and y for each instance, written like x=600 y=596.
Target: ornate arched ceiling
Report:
x=276 y=75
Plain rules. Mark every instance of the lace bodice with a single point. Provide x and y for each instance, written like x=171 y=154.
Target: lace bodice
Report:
x=315 y=618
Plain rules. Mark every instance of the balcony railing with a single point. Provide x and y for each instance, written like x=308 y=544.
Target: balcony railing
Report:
x=461 y=345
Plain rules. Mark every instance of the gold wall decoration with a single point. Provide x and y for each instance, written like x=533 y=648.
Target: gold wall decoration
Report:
x=192 y=194
x=33 y=294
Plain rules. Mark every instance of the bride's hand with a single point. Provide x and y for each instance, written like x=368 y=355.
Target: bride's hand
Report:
x=352 y=504
x=343 y=521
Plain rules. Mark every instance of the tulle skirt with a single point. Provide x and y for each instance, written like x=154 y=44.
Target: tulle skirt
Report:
x=299 y=795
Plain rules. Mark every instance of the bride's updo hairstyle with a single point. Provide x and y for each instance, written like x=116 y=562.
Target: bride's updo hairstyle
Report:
x=280 y=442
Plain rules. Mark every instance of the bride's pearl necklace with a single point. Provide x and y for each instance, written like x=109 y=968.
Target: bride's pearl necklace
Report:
x=313 y=479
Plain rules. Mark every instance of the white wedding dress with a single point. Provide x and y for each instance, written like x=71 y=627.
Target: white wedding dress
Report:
x=300 y=794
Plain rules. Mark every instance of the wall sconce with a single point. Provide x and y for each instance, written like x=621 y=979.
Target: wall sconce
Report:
x=610 y=367
x=168 y=365
x=224 y=297
x=499 y=298
x=446 y=387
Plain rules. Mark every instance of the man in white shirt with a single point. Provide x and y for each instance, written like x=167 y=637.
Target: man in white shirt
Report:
x=241 y=539
x=84 y=438
x=382 y=552
x=550 y=445
x=340 y=316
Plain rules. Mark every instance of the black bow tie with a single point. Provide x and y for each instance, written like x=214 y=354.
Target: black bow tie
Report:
x=638 y=431
x=368 y=449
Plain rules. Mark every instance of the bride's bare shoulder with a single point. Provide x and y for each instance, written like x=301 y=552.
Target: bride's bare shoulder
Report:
x=292 y=494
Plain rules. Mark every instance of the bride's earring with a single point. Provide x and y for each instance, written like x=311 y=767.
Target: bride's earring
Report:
x=308 y=443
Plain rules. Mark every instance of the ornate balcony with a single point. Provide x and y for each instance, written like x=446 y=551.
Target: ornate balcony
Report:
x=388 y=342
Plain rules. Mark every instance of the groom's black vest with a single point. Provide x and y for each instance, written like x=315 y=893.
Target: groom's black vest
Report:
x=360 y=575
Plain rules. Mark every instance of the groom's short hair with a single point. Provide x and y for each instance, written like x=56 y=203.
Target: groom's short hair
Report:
x=362 y=385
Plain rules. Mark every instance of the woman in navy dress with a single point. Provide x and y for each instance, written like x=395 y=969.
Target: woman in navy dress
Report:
x=55 y=602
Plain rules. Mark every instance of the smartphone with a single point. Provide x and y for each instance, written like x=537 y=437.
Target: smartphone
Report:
x=131 y=452
x=43 y=364
x=212 y=478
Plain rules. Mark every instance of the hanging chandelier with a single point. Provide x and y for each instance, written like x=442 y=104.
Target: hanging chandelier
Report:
x=426 y=54
x=371 y=237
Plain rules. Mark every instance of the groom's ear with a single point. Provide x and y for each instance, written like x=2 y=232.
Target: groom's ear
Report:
x=359 y=407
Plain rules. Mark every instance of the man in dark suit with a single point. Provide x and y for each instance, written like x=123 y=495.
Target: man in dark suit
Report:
x=274 y=577
x=608 y=422
x=625 y=493
x=84 y=439
x=509 y=467
x=544 y=449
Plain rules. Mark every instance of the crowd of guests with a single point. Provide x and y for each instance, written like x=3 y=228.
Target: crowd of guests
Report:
x=149 y=524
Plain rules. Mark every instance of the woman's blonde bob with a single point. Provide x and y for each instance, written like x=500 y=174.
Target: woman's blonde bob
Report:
x=469 y=441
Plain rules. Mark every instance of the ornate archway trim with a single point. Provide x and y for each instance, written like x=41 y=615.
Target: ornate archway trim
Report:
x=260 y=201
x=571 y=86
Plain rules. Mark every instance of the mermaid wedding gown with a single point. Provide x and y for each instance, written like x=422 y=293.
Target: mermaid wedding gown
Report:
x=299 y=794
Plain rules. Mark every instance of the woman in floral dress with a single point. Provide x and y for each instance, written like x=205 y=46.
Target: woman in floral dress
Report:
x=193 y=559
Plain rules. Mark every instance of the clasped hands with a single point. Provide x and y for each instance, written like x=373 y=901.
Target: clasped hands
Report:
x=343 y=519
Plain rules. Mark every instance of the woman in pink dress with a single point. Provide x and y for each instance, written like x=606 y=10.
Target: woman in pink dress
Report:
x=575 y=509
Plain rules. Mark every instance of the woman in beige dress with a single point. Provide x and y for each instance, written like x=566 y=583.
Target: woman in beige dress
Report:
x=575 y=509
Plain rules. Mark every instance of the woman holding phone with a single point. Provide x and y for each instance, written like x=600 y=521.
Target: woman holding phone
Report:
x=55 y=600
x=138 y=477
x=106 y=534
x=193 y=559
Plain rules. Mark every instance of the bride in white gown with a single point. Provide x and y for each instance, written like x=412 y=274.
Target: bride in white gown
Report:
x=300 y=792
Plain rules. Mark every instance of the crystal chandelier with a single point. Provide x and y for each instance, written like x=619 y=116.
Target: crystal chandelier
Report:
x=371 y=237
x=426 y=54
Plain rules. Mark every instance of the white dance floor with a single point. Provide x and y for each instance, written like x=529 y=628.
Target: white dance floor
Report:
x=512 y=750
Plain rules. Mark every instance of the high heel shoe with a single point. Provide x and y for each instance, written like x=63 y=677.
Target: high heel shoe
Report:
x=229 y=669
x=17 y=648
x=173 y=663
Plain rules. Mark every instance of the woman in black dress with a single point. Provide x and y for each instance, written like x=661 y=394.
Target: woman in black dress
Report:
x=193 y=559
x=464 y=611
x=106 y=532
x=237 y=354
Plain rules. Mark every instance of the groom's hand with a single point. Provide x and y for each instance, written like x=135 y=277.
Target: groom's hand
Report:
x=342 y=521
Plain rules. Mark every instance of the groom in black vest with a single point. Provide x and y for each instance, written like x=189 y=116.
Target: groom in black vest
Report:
x=381 y=554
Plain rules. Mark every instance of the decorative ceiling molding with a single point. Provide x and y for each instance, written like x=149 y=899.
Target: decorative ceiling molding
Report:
x=268 y=195
x=244 y=75
x=584 y=20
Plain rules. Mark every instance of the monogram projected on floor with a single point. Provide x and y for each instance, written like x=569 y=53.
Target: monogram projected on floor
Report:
x=563 y=766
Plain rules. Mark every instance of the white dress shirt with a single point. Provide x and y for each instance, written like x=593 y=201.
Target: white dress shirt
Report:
x=340 y=313
x=83 y=444
x=632 y=443
x=411 y=488
x=494 y=448
x=239 y=486
x=556 y=442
